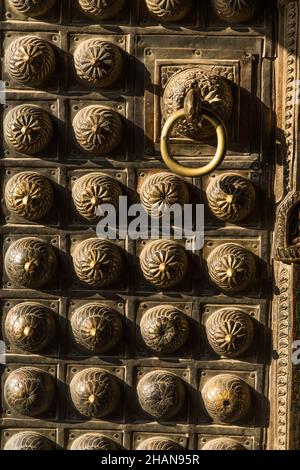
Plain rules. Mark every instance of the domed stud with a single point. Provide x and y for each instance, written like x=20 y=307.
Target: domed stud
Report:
x=235 y=11
x=30 y=60
x=94 y=441
x=162 y=190
x=29 y=391
x=34 y=8
x=161 y=394
x=231 y=197
x=98 y=63
x=95 y=393
x=93 y=190
x=97 y=263
x=216 y=94
x=169 y=11
x=28 y=440
x=101 y=9
x=164 y=329
x=30 y=262
x=30 y=326
x=162 y=444
x=227 y=398
x=231 y=267
x=98 y=130
x=97 y=328
x=28 y=129
x=223 y=443
x=164 y=263
x=230 y=332
x=29 y=195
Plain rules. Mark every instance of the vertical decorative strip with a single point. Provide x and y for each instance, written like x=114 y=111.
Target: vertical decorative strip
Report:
x=282 y=376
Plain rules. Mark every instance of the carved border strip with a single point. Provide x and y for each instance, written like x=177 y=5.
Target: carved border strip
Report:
x=290 y=44
x=283 y=361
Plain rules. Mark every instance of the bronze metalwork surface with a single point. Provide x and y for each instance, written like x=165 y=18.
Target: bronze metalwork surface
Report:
x=143 y=344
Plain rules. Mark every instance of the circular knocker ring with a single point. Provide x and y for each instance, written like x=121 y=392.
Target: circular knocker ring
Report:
x=221 y=132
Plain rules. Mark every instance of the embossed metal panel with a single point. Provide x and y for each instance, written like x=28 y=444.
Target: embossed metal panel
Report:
x=109 y=344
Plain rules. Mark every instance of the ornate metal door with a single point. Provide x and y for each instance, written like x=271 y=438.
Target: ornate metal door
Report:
x=109 y=344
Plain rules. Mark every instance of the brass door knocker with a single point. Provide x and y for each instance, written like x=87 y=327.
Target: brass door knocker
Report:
x=194 y=111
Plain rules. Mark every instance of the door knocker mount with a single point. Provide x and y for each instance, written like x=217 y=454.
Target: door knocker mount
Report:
x=195 y=105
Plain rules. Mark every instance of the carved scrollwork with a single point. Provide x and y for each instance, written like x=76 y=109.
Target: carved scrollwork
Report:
x=236 y=11
x=162 y=444
x=98 y=130
x=223 y=443
x=30 y=262
x=97 y=328
x=97 y=263
x=28 y=440
x=95 y=392
x=28 y=129
x=164 y=263
x=98 y=63
x=169 y=10
x=231 y=197
x=101 y=9
x=162 y=190
x=161 y=394
x=230 y=332
x=227 y=398
x=94 y=441
x=29 y=195
x=30 y=326
x=231 y=267
x=215 y=94
x=29 y=391
x=92 y=190
x=164 y=329
x=30 y=60
x=32 y=7
x=287 y=231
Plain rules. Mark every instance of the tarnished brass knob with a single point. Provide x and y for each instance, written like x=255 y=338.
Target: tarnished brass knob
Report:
x=101 y=9
x=30 y=326
x=162 y=444
x=29 y=195
x=28 y=129
x=94 y=441
x=162 y=190
x=169 y=10
x=97 y=263
x=97 y=328
x=236 y=11
x=93 y=190
x=30 y=60
x=231 y=267
x=98 y=130
x=32 y=7
x=95 y=392
x=223 y=443
x=28 y=440
x=98 y=63
x=164 y=263
x=230 y=332
x=161 y=394
x=29 y=391
x=30 y=262
x=164 y=329
x=227 y=398
x=231 y=197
